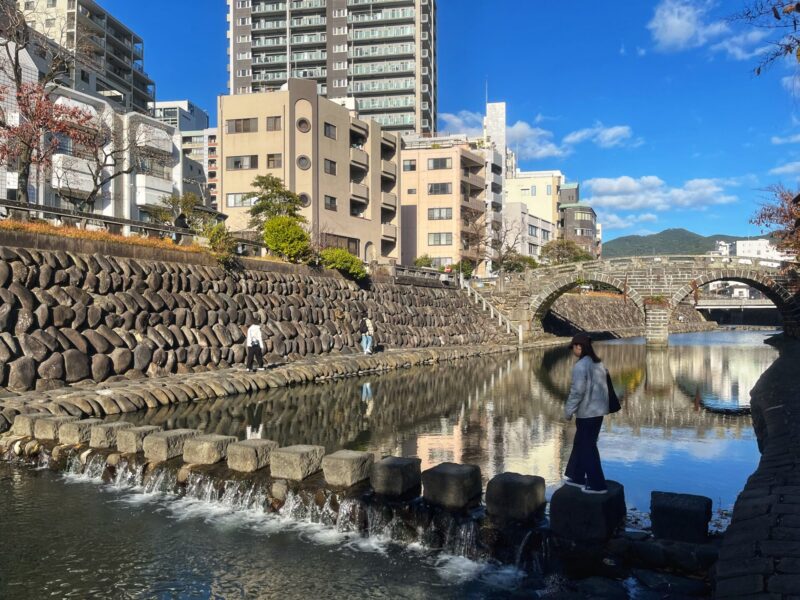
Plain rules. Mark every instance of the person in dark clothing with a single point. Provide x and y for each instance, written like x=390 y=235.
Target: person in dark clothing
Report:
x=255 y=348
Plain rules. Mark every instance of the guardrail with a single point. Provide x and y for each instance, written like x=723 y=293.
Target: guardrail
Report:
x=734 y=303
x=494 y=312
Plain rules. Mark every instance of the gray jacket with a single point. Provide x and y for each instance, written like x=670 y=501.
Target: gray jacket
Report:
x=588 y=395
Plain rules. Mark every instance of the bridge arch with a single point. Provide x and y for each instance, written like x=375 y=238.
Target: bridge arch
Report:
x=541 y=304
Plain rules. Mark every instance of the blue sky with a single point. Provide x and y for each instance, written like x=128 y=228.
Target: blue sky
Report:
x=651 y=105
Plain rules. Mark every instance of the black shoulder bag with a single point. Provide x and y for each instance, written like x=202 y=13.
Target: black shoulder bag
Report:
x=614 y=404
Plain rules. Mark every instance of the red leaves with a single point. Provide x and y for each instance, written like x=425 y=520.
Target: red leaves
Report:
x=782 y=215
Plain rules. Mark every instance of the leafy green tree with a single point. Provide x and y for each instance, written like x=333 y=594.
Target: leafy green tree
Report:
x=344 y=262
x=187 y=205
x=272 y=199
x=423 y=261
x=559 y=252
x=222 y=243
x=284 y=236
x=517 y=263
x=466 y=267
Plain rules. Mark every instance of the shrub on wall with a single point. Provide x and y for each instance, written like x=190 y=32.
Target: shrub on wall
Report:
x=344 y=262
x=285 y=237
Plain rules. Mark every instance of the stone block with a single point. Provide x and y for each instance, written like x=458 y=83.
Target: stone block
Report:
x=23 y=423
x=129 y=441
x=347 y=467
x=452 y=486
x=395 y=477
x=47 y=429
x=582 y=517
x=680 y=517
x=295 y=462
x=105 y=435
x=164 y=445
x=77 y=432
x=207 y=449
x=250 y=455
x=515 y=497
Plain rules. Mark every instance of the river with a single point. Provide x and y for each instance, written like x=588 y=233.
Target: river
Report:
x=684 y=427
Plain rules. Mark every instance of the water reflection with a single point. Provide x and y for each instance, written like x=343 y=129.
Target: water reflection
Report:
x=504 y=413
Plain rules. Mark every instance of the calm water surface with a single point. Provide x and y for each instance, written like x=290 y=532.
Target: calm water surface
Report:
x=681 y=429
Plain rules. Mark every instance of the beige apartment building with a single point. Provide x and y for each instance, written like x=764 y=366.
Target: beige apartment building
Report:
x=539 y=190
x=380 y=52
x=443 y=201
x=110 y=57
x=344 y=169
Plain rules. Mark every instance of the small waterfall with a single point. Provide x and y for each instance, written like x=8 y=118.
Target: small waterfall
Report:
x=461 y=539
x=95 y=465
x=294 y=508
x=521 y=549
x=163 y=481
x=202 y=488
x=351 y=517
x=127 y=475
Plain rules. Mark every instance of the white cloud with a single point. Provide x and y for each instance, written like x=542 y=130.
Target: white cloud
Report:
x=791 y=83
x=743 y=46
x=615 y=221
x=605 y=137
x=640 y=52
x=681 y=24
x=464 y=121
x=531 y=142
x=792 y=168
x=792 y=139
x=622 y=51
x=652 y=193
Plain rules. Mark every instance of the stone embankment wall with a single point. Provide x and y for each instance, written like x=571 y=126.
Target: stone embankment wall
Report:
x=611 y=314
x=68 y=317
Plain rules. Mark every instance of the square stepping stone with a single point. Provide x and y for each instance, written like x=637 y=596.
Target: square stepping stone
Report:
x=105 y=434
x=47 y=429
x=452 y=486
x=395 y=477
x=129 y=441
x=680 y=517
x=347 y=467
x=206 y=449
x=250 y=455
x=23 y=423
x=295 y=462
x=515 y=497
x=581 y=517
x=77 y=432
x=163 y=445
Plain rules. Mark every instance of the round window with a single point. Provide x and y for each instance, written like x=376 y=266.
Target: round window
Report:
x=304 y=125
x=305 y=200
x=304 y=162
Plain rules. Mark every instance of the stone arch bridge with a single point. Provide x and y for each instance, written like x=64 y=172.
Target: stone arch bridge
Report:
x=655 y=284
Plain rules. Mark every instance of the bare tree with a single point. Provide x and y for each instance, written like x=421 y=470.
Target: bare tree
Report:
x=490 y=240
x=781 y=19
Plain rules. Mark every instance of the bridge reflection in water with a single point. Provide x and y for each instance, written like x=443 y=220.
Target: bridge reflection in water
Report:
x=679 y=429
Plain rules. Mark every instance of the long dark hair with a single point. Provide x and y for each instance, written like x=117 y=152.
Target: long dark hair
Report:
x=585 y=342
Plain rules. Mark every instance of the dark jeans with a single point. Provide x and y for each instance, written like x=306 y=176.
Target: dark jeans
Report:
x=254 y=352
x=584 y=462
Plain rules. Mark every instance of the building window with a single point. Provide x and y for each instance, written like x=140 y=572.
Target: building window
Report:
x=440 y=214
x=243 y=4
x=583 y=216
x=330 y=131
x=242 y=21
x=273 y=123
x=330 y=167
x=243 y=73
x=352 y=245
x=340 y=30
x=340 y=48
x=533 y=231
x=84 y=76
x=303 y=125
x=533 y=190
x=49 y=23
x=274 y=161
x=243 y=56
x=531 y=249
x=441 y=261
x=440 y=239
x=549 y=190
x=436 y=164
x=239 y=163
x=241 y=125
x=440 y=189
x=411 y=191
x=545 y=236
x=239 y=200
x=339 y=12
x=340 y=65
x=303 y=162
x=330 y=203
x=243 y=38
x=51 y=3
x=340 y=83
x=409 y=165
x=305 y=200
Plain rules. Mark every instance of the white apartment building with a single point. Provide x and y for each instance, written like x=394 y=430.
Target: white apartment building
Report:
x=201 y=147
x=530 y=232
x=109 y=56
x=380 y=52
x=183 y=115
x=762 y=248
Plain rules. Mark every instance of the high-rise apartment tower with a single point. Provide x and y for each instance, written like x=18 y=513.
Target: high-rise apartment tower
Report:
x=380 y=52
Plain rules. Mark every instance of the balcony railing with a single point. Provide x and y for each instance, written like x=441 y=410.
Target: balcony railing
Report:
x=382 y=50
x=359 y=191
x=387 y=14
x=389 y=200
x=268 y=7
x=359 y=158
x=388 y=169
x=389 y=231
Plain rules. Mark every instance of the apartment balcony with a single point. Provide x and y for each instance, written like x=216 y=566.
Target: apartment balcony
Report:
x=97 y=42
x=306 y=57
x=370 y=2
x=473 y=204
x=154 y=138
x=269 y=76
x=383 y=85
x=301 y=5
x=71 y=176
x=360 y=192
x=358 y=126
x=388 y=169
x=406 y=67
x=360 y=53
x=269 y=59
x=120 y=76
x=388 y=140
x=264 y=42
x=264 y=8
x=382 y=33
x=473 y=180
x=151 y=189
x=389 y=201
x=359 y=158
x=308 y=22
x=268 y=25
x=496 y=200
x=389 y=232
x=383 y=16
x=87 y=18
x=317 y=39
x=495 y=178
x=138 y=50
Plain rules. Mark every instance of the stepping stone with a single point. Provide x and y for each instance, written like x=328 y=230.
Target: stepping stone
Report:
x=23 y=423
x=347 y=467
x=515 y=497
x=295 y=462
x=163 y=445
x=77 y=432
x=452 y=486
x=680 y=517
x=395 y=477
x=47 y=429
x=250 y=455
x=105 y=435
x=206 y=449
x=129 y=441
x=581 y=517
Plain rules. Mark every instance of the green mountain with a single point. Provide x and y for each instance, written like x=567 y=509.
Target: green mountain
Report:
x=669 y=241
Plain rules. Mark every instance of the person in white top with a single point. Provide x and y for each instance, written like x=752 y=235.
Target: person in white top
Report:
x=367 y=334
x=255 y=347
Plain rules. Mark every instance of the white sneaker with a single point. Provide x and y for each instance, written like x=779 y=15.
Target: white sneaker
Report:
x=568 y=481
x=587 y=490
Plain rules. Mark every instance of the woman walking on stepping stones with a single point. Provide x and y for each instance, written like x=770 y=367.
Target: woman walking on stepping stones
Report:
x=588 y=402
